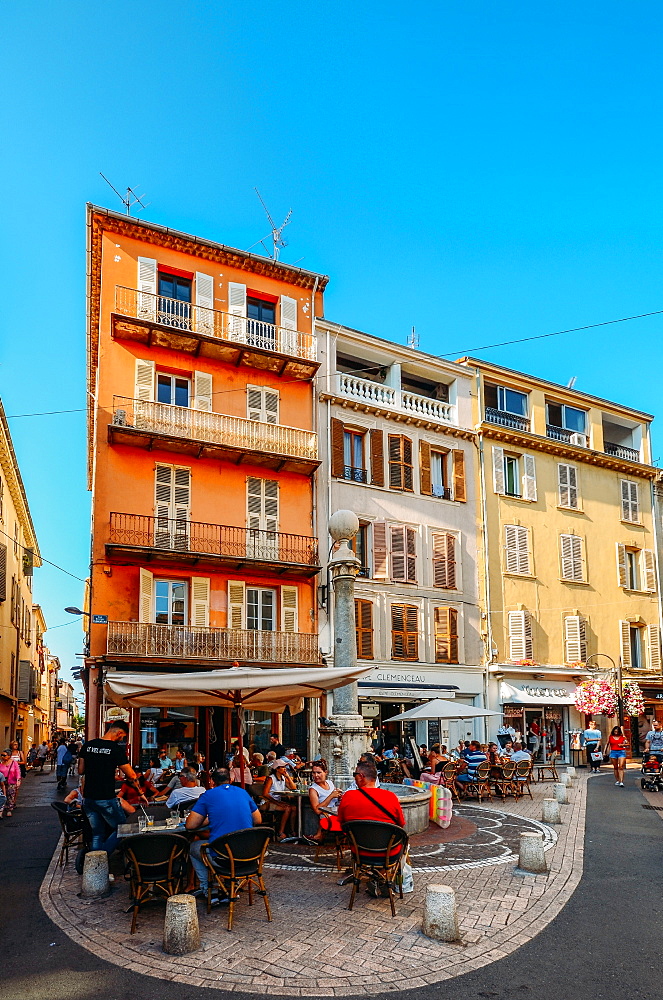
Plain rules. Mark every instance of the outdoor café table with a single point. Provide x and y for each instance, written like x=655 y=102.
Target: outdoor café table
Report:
x=132 y=829
x=299 y=794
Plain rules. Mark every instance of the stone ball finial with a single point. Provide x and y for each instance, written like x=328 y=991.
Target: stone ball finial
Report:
x=343 y=524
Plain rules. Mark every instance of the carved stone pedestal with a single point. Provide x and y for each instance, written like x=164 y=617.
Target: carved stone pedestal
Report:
x=342 y=745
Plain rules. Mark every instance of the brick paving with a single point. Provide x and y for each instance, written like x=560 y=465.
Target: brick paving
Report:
x=316 y=947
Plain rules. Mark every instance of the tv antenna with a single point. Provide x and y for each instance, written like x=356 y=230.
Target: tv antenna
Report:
x=277 y=240
x=130 y=199
x=413 y=339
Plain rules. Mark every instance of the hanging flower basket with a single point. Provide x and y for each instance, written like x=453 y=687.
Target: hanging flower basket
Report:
x=634 y=703
x=596 y=698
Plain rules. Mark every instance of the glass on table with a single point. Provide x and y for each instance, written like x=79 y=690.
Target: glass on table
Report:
x=142 y=823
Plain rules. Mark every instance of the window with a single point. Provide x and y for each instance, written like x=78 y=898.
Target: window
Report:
x=16 y=536
x=262 y=503
x=514 y=475
x=262 y=404
x=364 y=629
x=636 y=568
x=444 y=561
x=640 y=647
x=438 y=475
x=351 y=448
x=635 y=642
x=260 y=310
x=575 y=641
x=572 y=558
x=516 y=548
x=403 y=554
x=446 y=635
x=174 y=300
x=353 y=456
x=520 y=636
x=255 y=608
x=567 y=486
x=508 y=400
x=630 y=501
x=261 y=331
x=566 y=417
x=260 y=609
x=400 y=462
x=3 y=572
x=170 y=600
x=173 y=389
x=404 y=632
x=359 y=545
x=442 y=473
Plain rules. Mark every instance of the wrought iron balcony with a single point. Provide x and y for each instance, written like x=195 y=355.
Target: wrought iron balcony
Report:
x=192 y=642
x=172 y=539
x=621 y=451
x=506 y=419
x=185 y=326
x=362 y=390
x=216 y=435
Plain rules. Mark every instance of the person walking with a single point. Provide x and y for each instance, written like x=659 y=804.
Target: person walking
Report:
x=654 y=741
x=592 y=737
x=11 y=775
x=42 y=754
x=63 y=761
x=98 y=761
x=617 y=743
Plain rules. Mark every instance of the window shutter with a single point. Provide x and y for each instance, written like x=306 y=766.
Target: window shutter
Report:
x=147 y=288
x=289 y=597
x=625 y=643
x=271 y=406
x=262 y=404
x=200 y=588
x=398 y=542
x=408 y=470
x=572 y=558
x=575 y=643
x=516 y=544
x=446 y=635
x=404 y=632
x=425 y=485
x=144 y=384
x=236 y=604
x=364 y=629
x=444 y=561
x=172 y=502
x=567 y=484
x=498 y=470
x=529 y=478
x=202 y=391
x=237 y=310
x=520 y=635
x=3 y=572
x=400 y=462
x=411 y=554
x=458 y=473
x=630 y=501
x=288 y=313
x=262 y=497
x=622 y=576
x=377 y=457
x=204 y=303
x=337 y=457
x=145 y=597
x=380 y=551
x=648 y=570
x=654 y=648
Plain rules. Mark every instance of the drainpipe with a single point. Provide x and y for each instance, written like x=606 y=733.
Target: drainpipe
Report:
x=484 y=543
x=313 y=721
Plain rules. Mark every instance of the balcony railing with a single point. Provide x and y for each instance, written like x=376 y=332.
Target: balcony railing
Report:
x=220 y=540
x=214 y=428
x=198 y=643
x=506 y=419
x=362 y=390
x=621 y=451
x=558 y=433
x=214 y=323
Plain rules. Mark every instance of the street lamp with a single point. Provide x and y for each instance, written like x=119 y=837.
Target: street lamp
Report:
x=76 y=611
x=617 y=672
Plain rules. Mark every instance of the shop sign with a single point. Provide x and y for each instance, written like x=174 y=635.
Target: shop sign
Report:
x=653 y=694
x=544 y=692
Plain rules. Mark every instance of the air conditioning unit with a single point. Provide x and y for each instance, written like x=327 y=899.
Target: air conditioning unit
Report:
x=120 y=418
x=580 y=440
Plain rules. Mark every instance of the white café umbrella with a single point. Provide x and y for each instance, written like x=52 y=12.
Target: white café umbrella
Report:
x=438 y=708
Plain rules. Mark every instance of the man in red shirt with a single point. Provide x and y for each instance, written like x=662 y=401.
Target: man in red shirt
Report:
x=368 y=802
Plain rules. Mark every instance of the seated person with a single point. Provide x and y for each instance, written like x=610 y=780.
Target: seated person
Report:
x=142 y=793
x=154 y=771
x=472 y=757
x=165 y=763
x=258 y=767
x=324 y=798
x=180 y=760
x=520 y=753
x=368 y=802
x=189 y=788
x=366 y=758
x=295 y=762
x=277 y=782
x=236 y=771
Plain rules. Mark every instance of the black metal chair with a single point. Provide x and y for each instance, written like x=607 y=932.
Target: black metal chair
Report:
x=377 y=852
x=234 y=863
x=72 y=823
x=155 y=866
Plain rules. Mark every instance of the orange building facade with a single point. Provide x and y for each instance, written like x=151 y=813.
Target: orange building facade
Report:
x=202 y=452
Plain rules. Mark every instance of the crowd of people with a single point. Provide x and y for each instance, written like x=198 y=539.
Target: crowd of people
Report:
x=14 y=765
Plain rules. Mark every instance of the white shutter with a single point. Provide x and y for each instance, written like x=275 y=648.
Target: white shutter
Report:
x=289 y=597
x=262 y=497
x=520 y=635
x=172 y=501
x=380 y=551
x=648 y=570
x=237 y=310
x=622 y=576
x=236 y=604
x=204 y=303
x=288 y=313
x=147 y=288
x=144 y=381
x=516 y=545
x=567 y=483
x=202 y=391
x=262 y=404
x=145 y=598
x=200 y=588
x=411 y=554
x=625 y=643
x=630 y=501
x=498 y=469
x=271 y=406
x=654 y=648
x=397 y=546
x=572 y=558
x=575 y=642
x=529 y=478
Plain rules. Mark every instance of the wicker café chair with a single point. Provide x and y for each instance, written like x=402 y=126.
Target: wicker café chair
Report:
x=480 y=783
x=155 y=865
x=72 y=823
x=544 y=772
x=504 y=783
x=377 y=852
x=235 y=863
x=521 y=779
x=448 y=777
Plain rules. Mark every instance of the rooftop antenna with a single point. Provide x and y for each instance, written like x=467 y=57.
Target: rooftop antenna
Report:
x=571 y=382
x=277 y=240
x=413 y=339
x=130 y=199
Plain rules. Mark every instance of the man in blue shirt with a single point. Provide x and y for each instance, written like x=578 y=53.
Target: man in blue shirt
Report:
x=654 y=741
x=592 y=738
x=222 y=809
x=474 y=757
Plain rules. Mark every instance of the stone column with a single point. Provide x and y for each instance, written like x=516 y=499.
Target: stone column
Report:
x=342 y=743
x=181 y=933
x=95 y=875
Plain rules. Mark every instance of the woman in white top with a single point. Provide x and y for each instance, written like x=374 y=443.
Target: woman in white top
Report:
x=276 y=783
x=324 y=798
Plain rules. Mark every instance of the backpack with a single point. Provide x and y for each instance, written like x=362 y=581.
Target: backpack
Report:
x=68 y=759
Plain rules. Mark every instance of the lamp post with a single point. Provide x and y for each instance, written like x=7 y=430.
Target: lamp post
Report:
x=617 y=674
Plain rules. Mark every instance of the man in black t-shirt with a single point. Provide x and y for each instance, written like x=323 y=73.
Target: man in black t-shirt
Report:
x=98 y=761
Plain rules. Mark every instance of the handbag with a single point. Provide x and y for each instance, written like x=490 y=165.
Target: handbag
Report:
x=596 y=755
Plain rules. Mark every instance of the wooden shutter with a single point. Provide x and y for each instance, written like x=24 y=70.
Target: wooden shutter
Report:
x=520 y=635
x=147 y=288
x=567 y=485
x=630 y=501
x=204 y=303
x=529 y=477
x=425 y=484
x=400 y=462
x=622 y=574
x=625 y=643
x=202 y=391
x=237 y=310
x=648 y=570
x=572 y=558
x=404 y=632
x=408 y=469
x=337 y=454
x=3 y=572
x=498 y=470
x=289 y=596
x=144 y=382
x=458 y=473
x=364 y=629
x=236 y=604
x=575 y=642
x=446 y=635
x=146 y=596
x=654 y=648
x=380 y=551
x=411 y=555
x=377 y=458
x=516 y=544
x=288 y=313
x=200 y=591
x=444 y=561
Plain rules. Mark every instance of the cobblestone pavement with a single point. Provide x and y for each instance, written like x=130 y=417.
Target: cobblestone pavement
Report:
x=316 y=947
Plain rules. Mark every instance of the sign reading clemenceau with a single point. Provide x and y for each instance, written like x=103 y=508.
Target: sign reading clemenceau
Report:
x=405 y=684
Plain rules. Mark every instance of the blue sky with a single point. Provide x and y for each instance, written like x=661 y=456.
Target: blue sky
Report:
x=482 y=171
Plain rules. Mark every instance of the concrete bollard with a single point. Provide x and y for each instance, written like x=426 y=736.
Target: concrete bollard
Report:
x=565 y=779
x=531 y=857
x=440 y=917
x=552 y=811
x=95 y=875
x=180 y=932
x=561 y=794
x=572 y=773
